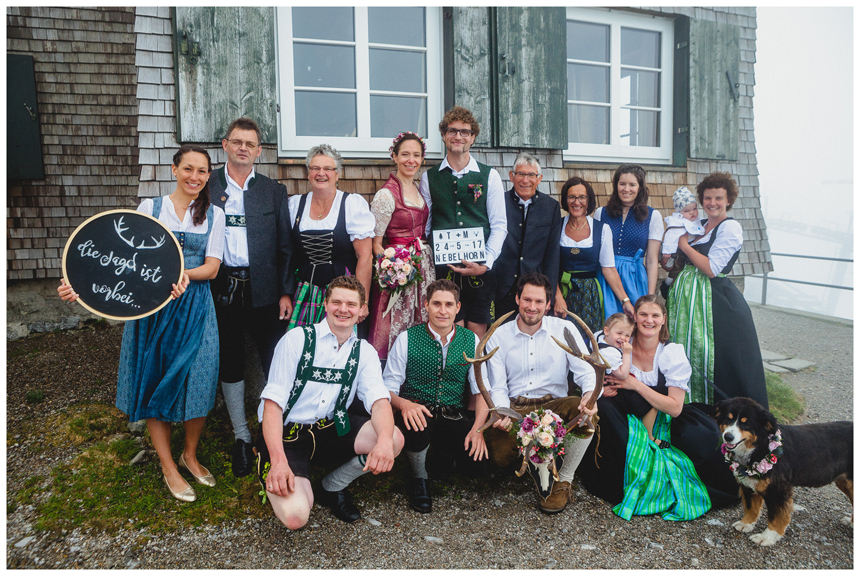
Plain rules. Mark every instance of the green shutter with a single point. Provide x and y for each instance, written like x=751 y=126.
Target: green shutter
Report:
x=23 y=136
x=681 y=93
x=225 y=68
x=531 y=76
x=714 y=108
x=472 y=67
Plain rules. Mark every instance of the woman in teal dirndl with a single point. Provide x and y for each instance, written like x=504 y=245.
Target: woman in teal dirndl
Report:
x=681 y=474
x=168 y=367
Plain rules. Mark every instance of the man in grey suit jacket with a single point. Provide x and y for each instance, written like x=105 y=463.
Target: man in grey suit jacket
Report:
x=255 y=283
x=534 y=232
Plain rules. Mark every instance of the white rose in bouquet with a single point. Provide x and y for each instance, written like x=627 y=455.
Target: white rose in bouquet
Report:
x=546 y=420
x=389 y=252
x=545 y=438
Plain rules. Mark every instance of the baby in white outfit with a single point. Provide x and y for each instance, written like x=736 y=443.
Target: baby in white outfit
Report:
x=685 y=220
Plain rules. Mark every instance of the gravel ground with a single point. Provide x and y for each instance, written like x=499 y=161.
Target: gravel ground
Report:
x=489 y=525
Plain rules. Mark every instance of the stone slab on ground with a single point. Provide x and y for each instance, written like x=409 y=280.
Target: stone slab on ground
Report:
x=769 y=356
x=774 y=368
x=793 y=364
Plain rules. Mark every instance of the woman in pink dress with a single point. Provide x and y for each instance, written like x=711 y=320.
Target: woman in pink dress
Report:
x=401 y=218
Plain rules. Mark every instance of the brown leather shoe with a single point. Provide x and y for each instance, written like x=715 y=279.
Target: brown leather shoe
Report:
x=557 y=500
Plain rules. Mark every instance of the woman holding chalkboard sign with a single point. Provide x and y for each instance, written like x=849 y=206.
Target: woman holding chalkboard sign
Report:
x=168 y=367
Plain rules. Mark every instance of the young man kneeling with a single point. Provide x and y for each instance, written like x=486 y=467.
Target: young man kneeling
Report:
x=316 y=373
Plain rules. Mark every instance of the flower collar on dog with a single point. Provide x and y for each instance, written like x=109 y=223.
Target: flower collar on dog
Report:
x=763 y=466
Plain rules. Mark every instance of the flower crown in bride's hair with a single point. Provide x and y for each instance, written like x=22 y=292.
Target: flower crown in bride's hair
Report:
x=400 y=137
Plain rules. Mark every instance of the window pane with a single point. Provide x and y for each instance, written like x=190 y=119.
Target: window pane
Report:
x=325 y=114
x=397 y=70
x=586 y=41
x=403 y=26
x=640 y=88
x=324 y=66
x=588 y=83
x=324 y=23
x=643 y=125
x=390 y=115
x=640 y=48
x=587 y=124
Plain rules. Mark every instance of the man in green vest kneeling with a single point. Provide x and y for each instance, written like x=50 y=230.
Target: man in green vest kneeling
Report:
x=431 y=384
x=316 y=373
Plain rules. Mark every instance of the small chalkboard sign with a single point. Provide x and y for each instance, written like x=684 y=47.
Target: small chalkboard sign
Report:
x=122 y=264
x=454 y=246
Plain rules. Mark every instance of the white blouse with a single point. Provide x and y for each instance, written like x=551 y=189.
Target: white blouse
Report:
x=671 y=360
x=655 y=226
x=215 y=245
x=606 y=256
x=359 y=221
x=730 y=238
x=383 y=207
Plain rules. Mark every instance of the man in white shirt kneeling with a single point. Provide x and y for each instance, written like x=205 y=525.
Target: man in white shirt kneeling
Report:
x=316 y=373
x=529 y=371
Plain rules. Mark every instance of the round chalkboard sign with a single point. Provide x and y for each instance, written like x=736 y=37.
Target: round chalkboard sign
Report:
x=122 y=264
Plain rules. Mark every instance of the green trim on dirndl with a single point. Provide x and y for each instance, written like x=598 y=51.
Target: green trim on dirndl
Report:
x=659 y=480
x=691 y=324
x=584 y=297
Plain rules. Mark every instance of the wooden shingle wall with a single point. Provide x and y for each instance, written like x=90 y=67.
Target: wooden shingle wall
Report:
x=157 y=140
x=85 y=85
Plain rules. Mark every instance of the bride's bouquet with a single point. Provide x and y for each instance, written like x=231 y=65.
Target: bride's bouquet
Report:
x=396 y=269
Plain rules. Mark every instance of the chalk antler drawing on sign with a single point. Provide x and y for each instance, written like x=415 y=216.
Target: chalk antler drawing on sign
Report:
x=120 y=227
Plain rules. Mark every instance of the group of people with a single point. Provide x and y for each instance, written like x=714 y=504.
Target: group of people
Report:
x=297 y=274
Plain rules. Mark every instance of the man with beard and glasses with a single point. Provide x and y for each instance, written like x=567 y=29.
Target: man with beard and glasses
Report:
x=529 y=371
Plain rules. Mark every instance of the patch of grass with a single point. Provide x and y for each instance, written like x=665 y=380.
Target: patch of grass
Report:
x=31 y=487
x=786 y=404
x=100 y=490
x=35 y=396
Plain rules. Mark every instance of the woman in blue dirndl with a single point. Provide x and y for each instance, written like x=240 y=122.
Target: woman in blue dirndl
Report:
x=168 y=369
x=633 y=238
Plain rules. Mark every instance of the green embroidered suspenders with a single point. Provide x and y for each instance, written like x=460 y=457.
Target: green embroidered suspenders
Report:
x=306 y=371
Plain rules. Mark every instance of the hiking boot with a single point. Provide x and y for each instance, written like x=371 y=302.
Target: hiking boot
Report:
x=557 y=499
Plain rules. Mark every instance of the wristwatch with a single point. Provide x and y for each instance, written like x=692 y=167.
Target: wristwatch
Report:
x=625 y=300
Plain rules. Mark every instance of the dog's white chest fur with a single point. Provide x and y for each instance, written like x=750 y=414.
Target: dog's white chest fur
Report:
x=747 y=481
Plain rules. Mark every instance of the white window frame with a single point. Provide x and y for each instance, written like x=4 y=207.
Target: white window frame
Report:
x=615 y=151
x=363 y=145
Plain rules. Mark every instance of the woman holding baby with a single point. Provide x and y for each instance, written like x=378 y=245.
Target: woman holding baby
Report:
x=707 y=313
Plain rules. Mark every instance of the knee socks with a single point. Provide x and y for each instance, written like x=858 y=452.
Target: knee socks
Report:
x=342 y=476
x=418 y=461
x=234 y=396
x=573 y=454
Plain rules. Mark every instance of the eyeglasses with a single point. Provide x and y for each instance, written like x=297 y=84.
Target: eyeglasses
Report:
x=248 y=144
x=577 y=199
x=465 y=132
x=322 y=168
x=531 y=175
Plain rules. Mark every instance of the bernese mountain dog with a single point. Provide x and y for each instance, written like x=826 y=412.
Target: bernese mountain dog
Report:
x=768 y=459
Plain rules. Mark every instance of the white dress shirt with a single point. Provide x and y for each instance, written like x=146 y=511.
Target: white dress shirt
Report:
x=236 y=237
x=318 y=398
x=534 y=365
x=496 y=211
x=613 y=356
x=215 y=244
x=395 y=369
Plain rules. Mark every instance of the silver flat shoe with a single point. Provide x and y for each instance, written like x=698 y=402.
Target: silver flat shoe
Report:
x=187 y=495
x=207 y=479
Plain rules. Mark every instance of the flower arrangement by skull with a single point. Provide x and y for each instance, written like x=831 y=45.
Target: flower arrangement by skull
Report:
x=396 y=269
x=477 y=191
x=541 y=437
